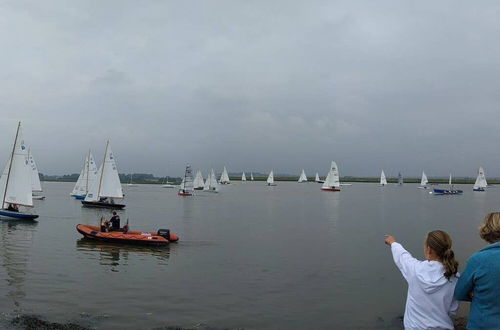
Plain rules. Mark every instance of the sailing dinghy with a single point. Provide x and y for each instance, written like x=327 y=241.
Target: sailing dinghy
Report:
x=480 y=183
x=224 y=177
x=36 y=186
x=451 y=191
x=86 y=179
x=332 y=181
x=423 y=181
x=243 y=177
x=131 y=184
x=303 y=177
x=316 y=179
x=383 y=179
x=270 y=179
x=186 y=187
x=251 y=176
x=400 y=179
x=211 y=183
x=198 y=182
x=107 y=186
x=15 y=183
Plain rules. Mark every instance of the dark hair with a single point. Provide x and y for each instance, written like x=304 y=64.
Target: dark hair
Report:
x=114 y=212
x=440 y=242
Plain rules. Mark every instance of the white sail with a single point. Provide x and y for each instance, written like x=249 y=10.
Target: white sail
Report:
x=303 y=177
x=332 y=179
x=424 y=181
x=15 y=183
x=182 y=185
x=480 y=180
x=224 y=177
x=107 y=182
x=211 y=182
x=251 y=176
x=87 y=176
x=383 y=179
x=35 y=177
x=243 y=177
x=186 y=185
x=270 y=178
x=449 y=181
x=316 y=179
x=198 y=181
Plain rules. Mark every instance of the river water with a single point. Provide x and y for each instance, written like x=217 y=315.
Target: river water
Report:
x=252 y=256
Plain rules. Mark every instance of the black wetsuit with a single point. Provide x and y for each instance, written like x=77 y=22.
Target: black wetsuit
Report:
x=115 y=222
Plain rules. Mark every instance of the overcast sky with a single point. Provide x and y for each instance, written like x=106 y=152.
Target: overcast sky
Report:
x=254 y=85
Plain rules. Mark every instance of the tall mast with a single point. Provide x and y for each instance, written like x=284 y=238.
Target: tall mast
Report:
x=102 y=171
x=87 y=167
x=10 y=165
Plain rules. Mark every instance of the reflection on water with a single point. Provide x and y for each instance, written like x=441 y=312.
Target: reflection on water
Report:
x=115 y=255
x=16 y=240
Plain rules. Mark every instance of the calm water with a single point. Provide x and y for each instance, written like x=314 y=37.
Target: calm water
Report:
x=251 y=257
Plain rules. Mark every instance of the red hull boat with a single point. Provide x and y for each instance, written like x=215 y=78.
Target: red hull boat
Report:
x=160 y=237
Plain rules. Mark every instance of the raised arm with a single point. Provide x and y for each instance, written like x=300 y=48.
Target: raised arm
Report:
x=402 y=258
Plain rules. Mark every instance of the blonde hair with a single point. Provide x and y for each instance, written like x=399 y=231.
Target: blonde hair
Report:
x=490 y=229
x=440 y=242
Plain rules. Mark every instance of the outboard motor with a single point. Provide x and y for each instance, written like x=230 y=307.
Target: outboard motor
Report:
x=164 y=233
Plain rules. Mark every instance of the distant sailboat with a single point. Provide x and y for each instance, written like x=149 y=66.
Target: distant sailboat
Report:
x=423 y=181
x=36 y=186
x=166 y=183
x=186 y=187
x=15 y=183
x=450 y=191
x=224 y=177
x=86 y=179
x=383 y=179
x=400 y=179
x=316 y=179
x=243 y=177
x=480 y=183
x=270 y=179
x=251 y=176
x=130 y=184
x=332 y=181
x=198 y=182
x=211 y=183
x=303 y=177
x=107 y=186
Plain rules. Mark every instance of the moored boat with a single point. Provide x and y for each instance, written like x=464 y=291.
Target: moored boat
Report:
x=160 y=237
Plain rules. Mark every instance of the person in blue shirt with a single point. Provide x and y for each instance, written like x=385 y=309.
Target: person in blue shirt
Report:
x=480 y=281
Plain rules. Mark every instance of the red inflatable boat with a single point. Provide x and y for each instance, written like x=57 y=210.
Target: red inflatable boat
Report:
x=160 y=237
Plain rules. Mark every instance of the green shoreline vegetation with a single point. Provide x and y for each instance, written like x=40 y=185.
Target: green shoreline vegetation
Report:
x=143 y=178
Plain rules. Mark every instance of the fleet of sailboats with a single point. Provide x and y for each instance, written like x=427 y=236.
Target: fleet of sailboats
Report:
x=16 y=182
x=303 y=177
x=332 y=180
x=106 y=187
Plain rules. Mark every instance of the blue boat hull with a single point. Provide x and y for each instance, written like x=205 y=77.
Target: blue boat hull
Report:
x=79 y=197
x=447 y=192
x=17 y=215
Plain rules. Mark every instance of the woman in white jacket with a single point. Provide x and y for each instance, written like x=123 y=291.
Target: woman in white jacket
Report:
x=431 y=283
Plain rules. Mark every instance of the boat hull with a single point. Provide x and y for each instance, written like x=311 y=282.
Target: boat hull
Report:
x=168 y=186
x=330 y=189
x=131 y=237
x=17 y=215
x=103 y=205
x=184 y=194
x=79 y=197
x=198 y=188
x=479 y=189
x=447 y=192
x=38 y=197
